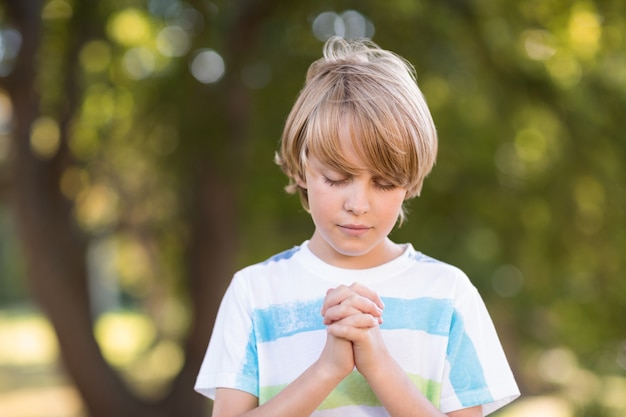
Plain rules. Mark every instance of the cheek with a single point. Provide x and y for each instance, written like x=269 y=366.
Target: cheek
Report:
x=393 y=203
x=320 y=196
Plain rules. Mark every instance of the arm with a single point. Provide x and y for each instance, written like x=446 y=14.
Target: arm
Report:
x=388 y=380
x=302 y=396
x=231 y=402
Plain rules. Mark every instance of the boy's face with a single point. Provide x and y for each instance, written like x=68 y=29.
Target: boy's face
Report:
x=353 y=214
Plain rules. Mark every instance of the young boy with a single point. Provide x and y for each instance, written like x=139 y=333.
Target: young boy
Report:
x=350 y=323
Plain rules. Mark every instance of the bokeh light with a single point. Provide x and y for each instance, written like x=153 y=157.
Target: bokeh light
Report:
x=584 y=30
x=57 y=10
x=139 y=63
x=26 y=339
x=10 y=44
x=123 y=336
x=130 y=27
x=349 y=24
x=45 y=137
x=207 y=66
x=96 y=56
x=539 y=44
x=173 y=41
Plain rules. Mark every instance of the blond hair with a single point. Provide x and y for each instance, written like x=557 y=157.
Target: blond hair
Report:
x=374 y=93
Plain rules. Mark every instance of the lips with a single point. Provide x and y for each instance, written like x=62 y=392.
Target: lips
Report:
x=354 y=229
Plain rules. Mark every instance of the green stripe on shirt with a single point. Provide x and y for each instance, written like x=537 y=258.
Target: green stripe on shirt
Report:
x=354 y=390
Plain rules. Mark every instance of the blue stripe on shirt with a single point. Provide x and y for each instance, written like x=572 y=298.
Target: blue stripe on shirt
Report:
x=431 y=315
x=466 y=373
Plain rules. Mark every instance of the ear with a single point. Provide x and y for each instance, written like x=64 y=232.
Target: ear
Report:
x=301 y=182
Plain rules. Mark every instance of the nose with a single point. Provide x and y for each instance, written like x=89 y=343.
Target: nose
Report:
x=357 y=199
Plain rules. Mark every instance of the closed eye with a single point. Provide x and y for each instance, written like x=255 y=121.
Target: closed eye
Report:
x=335 y=183
x=385 y=186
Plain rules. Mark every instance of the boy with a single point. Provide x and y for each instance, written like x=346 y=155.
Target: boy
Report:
x=350 y=323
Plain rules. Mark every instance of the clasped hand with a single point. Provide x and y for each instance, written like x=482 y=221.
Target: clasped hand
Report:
x=353 y=315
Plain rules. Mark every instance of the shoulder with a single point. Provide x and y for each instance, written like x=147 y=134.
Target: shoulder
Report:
x=270 y=267
x=434 y=265
x=440 y=274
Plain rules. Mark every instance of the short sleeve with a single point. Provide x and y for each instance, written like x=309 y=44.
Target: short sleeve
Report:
x=477 y=371
x=230 y=360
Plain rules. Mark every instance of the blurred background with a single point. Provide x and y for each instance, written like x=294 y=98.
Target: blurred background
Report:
x=136 y=175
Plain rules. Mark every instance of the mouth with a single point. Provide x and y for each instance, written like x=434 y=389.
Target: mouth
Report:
x=354 y=229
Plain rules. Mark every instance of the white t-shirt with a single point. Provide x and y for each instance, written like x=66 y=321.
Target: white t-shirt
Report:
x=269 y=330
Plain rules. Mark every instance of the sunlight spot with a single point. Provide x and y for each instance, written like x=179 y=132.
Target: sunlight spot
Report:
x=57 y=9
x=139 y=63
x=123 y=336
x=564 y=69
x=164 y=361
x=507 y=281
x=95 y=56
x=45 y=137
x=173 y=41
x=40 y=400
x=10 y=44
x=324 y=25
x=187 y=17
x=613 y=391
x=130 y=27
x=557 y=365
x=349 y=24
x=539 y=45
x=26 y=340
x=530 y=145
x=167 y=358
x=160 y=7
x=585 y=31
x=207 y=66
x=97 y=207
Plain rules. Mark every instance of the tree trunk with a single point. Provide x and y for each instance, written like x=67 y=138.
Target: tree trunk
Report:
x=54 y=247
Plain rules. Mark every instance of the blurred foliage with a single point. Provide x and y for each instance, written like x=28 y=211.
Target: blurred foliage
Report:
x=528 y=195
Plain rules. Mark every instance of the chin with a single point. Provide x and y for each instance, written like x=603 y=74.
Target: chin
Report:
x=353 y=251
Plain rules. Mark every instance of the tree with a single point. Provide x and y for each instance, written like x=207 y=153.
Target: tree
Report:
x=46 y=86
x=116 y=140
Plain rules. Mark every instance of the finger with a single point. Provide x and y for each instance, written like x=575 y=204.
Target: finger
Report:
x=359 y=321
x=357 y=296
x=335 y=296
x=367 y=293
x=363 y=304
x=353 y=327
x=339 y=312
